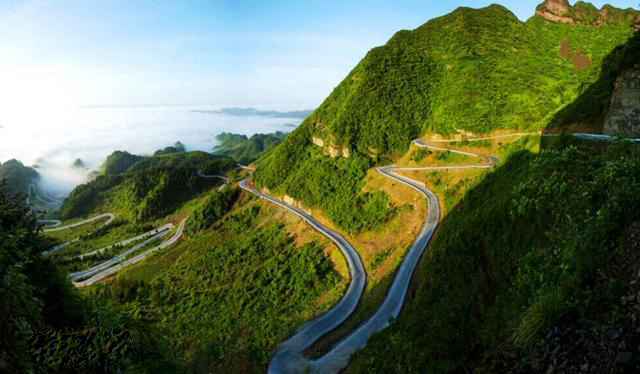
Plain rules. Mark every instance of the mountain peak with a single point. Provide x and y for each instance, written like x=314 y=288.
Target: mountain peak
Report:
x=560 y=11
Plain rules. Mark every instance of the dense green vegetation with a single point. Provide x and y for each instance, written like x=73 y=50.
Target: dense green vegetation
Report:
x=591 y=107
x=476 y=70
x=178 y=147
x=17 y=176
x=236 y=290
x=118 y=162
x=539 y=227
x=332 y=185
x=142 y=189
x=212 y=209
x=246 y=149
x=419 y=154
x=36 y=296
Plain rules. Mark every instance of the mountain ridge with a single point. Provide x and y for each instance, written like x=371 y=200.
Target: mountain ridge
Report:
x=585 y=13
x=473 y=71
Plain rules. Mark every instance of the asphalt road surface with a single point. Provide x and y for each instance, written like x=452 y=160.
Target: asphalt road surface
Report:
x=115 y=268
x=288 y=357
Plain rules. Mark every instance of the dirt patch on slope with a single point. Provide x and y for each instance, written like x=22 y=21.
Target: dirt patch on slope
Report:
x=565 y=49
x=581 y=62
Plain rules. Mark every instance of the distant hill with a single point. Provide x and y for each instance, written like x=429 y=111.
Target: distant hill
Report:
x=118 y=162
x=245 y=149
x=178 y=147
x=78 y=164
x=246 y=112
x=143 y=188
x=17 y=176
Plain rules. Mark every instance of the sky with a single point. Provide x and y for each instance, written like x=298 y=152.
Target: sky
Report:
x=274 y=54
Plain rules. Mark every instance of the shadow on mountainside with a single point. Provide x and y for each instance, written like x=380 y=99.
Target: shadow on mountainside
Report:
x=587 y=113
x=523 y=250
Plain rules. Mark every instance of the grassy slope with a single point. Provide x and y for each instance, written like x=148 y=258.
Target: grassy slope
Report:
x=539 y=227
x=223 y=299
x=234 y=286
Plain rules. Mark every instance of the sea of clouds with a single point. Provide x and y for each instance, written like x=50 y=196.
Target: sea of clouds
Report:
x=91 y=134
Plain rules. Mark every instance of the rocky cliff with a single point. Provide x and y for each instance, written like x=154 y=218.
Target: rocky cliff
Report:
x=555 y=11
x=624 y=112
x=561 y=11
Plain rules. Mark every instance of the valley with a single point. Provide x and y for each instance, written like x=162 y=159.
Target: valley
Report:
x=466 y=200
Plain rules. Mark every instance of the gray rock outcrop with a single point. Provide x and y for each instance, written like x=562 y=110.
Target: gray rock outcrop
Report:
x=624 y=112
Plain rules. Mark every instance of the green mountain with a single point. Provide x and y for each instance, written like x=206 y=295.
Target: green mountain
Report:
x=178 y=147
x=535 y=268
x=118 y=162
x=472 y=71
x=144 y=188
x=541 y=244
x=17 y=176
x=245 y=149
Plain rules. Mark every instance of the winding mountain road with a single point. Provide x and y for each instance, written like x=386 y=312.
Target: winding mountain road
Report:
x=115 y=268
x=110 y=217
x=338 y=357
x=115 y=259
x=111 y=266
x=62 y=246
x=147 y=234
x=223 y=178
x=289 y=356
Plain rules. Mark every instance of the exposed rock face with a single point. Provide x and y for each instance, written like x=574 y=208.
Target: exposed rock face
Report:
x=557 y=7
x=585 y=13
x=317 y=141
x=555 y=11
x=331 y=149
x=624 y=112
x=295 y=203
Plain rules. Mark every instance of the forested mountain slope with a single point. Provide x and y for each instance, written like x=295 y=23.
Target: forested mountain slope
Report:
x=17 y=176
x=536 y=268
x=472 y=71
x=246 y=149
x=218 y=300
x=522 y=252
x=143 y=188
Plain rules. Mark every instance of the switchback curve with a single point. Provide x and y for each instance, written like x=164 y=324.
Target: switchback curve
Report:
x=289 y=354
x=98 y=272
x=288 y=357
